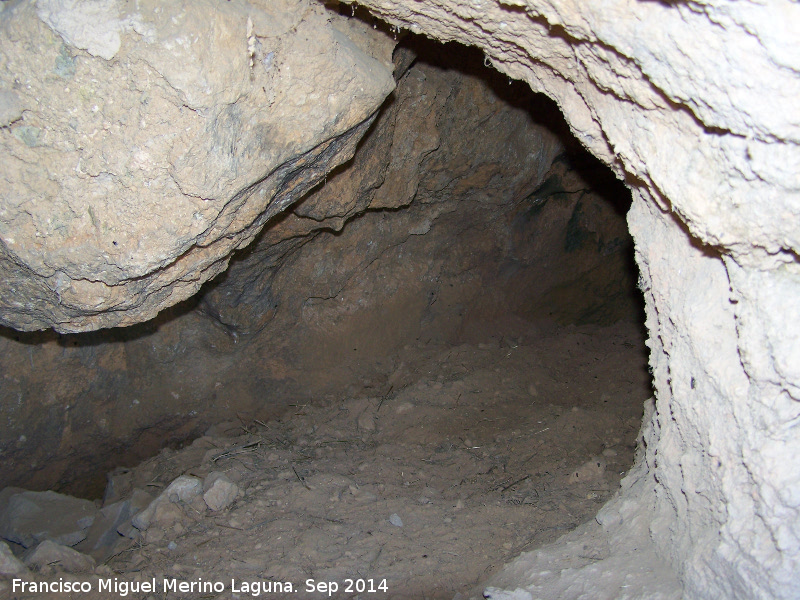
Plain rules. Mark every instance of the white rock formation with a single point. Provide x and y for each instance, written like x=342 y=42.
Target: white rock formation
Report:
x=695 y=105
x=143 y=143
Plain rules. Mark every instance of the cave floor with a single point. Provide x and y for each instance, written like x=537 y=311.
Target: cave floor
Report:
x=500 y=444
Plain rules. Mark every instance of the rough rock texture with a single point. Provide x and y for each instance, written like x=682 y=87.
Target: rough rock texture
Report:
x=141 y=146
x=49 y=553
x=183 y=489
x=27 y=518
x=694 y=104
x=10 y=565
x=488 y=230
x=219 y=491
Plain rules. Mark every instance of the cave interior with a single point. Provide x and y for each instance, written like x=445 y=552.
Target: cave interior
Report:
x=446 y=332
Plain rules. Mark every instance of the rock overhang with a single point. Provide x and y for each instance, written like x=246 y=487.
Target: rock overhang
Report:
x=144 y=147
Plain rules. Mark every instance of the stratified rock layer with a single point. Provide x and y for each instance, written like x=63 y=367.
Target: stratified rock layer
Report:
x=140 y=150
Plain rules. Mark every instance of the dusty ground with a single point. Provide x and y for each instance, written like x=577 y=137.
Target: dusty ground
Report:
x=472 y=454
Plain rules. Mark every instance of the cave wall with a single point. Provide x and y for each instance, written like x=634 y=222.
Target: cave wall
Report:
x=694 y=105
x=495 y=216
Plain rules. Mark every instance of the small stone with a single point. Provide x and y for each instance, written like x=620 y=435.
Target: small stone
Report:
x=10 y=564
x=182 y=489
x=139 y=501
x=366 y=422
x=198 y=505
x=592 y=470
x=396 y=520
x=166 y=514
x=114 y=521
x=102 y=535
x=532 y=390
x=50 y=553
x=221 y=494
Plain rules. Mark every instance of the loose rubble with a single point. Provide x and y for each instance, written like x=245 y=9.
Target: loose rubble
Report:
x=494 y=450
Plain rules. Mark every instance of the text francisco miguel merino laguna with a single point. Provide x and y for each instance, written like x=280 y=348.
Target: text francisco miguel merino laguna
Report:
x=252 y=588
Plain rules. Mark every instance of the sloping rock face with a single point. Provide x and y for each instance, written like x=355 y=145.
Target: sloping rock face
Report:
x=142 y=146
x=694 y=104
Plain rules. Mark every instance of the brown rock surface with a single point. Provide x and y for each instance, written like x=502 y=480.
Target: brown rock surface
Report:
x=49 y=554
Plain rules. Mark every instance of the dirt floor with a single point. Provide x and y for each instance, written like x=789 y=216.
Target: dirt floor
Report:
x=471 y=455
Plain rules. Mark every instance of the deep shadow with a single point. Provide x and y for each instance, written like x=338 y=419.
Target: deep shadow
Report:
x=103 y=336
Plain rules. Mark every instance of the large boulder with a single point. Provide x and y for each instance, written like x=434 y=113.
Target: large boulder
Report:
x=27 y=518
x=142 y=146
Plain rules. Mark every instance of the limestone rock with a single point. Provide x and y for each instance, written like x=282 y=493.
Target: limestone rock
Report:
x=147 y=146
x=113 y=526
x=49 y=553
x=28 y=518
x=183 y=489
x=695 y=106
x=496 y=154
x=220 y=492
x=590 y=471
x=366 y=422
x=139 y=501
x=162 y=510
x=10 y=565
x=165 y=514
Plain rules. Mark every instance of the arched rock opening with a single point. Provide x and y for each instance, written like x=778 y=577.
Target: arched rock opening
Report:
x=451 y=316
